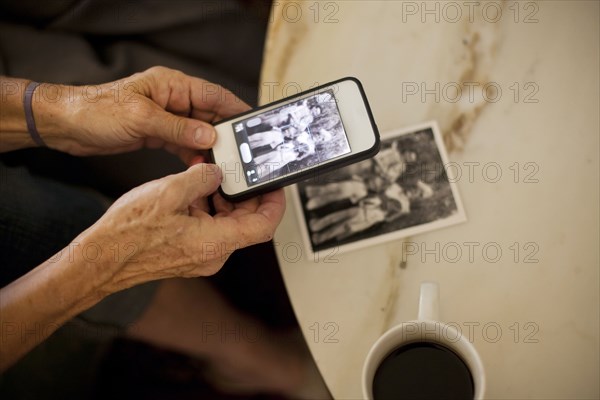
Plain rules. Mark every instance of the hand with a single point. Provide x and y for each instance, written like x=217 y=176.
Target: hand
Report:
x=167 y=224
x=159 y=107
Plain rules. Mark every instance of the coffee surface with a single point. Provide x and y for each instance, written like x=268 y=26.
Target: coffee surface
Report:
x=422 y=370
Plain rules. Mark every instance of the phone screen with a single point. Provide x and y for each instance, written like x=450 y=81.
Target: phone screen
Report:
x=290 y=138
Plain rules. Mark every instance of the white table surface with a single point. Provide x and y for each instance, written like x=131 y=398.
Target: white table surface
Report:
x=548 y=310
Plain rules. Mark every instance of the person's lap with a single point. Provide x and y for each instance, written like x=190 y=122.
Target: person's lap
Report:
x=39 y=217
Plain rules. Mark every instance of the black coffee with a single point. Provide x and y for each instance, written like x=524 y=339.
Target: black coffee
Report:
x=422 y=370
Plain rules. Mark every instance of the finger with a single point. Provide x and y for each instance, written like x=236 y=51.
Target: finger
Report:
x=249 y=205
x=188 y=155
x=197 y=159
x=235 y=213
x=272 y=206
x=200 y=180
x=210 y=98
x=188 y=95
x=252 y=228
x=185 y=155
x=222 y=206
x=199 y=207
x=184 y=132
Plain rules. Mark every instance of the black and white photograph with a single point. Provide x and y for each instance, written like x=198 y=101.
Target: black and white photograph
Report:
x=293 y=137
x=402 y=191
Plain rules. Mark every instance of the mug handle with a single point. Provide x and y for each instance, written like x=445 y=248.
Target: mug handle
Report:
x=429 y=301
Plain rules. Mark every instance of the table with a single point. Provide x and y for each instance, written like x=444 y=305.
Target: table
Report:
x=532 y=313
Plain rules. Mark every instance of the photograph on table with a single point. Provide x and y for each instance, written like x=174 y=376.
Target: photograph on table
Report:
x=292 y=137
x=402 y=191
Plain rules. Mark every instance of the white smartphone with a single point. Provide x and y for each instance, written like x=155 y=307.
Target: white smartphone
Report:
x=292 y=139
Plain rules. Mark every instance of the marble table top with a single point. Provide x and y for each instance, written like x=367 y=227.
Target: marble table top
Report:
x=529 y=108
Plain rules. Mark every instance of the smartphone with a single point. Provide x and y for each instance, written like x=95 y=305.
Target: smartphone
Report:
x=293 y=139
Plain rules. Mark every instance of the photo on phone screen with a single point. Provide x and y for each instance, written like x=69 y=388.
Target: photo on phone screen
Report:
x=290 y=138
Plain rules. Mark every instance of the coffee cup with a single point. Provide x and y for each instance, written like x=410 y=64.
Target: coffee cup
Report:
x=423 y=358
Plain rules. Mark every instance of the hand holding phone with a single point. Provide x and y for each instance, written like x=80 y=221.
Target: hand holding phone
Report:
x=284 y=142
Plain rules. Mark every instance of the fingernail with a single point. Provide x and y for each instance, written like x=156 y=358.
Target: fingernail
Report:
x=204 y=136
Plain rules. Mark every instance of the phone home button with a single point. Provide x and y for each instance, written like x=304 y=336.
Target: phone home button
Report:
x=246 y=153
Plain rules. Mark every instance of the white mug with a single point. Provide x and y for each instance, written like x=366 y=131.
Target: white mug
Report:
x=426 y=328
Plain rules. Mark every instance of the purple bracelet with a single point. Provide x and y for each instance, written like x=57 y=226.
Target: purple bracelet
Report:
x=27 y=100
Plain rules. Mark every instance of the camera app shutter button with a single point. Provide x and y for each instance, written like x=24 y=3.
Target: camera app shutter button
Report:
x=246 y=153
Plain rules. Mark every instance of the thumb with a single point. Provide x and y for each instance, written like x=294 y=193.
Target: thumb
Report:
x=184 y=132
x=200 y=180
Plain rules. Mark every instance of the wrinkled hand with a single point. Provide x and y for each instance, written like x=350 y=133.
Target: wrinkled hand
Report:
x=159 y=107
x=167 y=224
